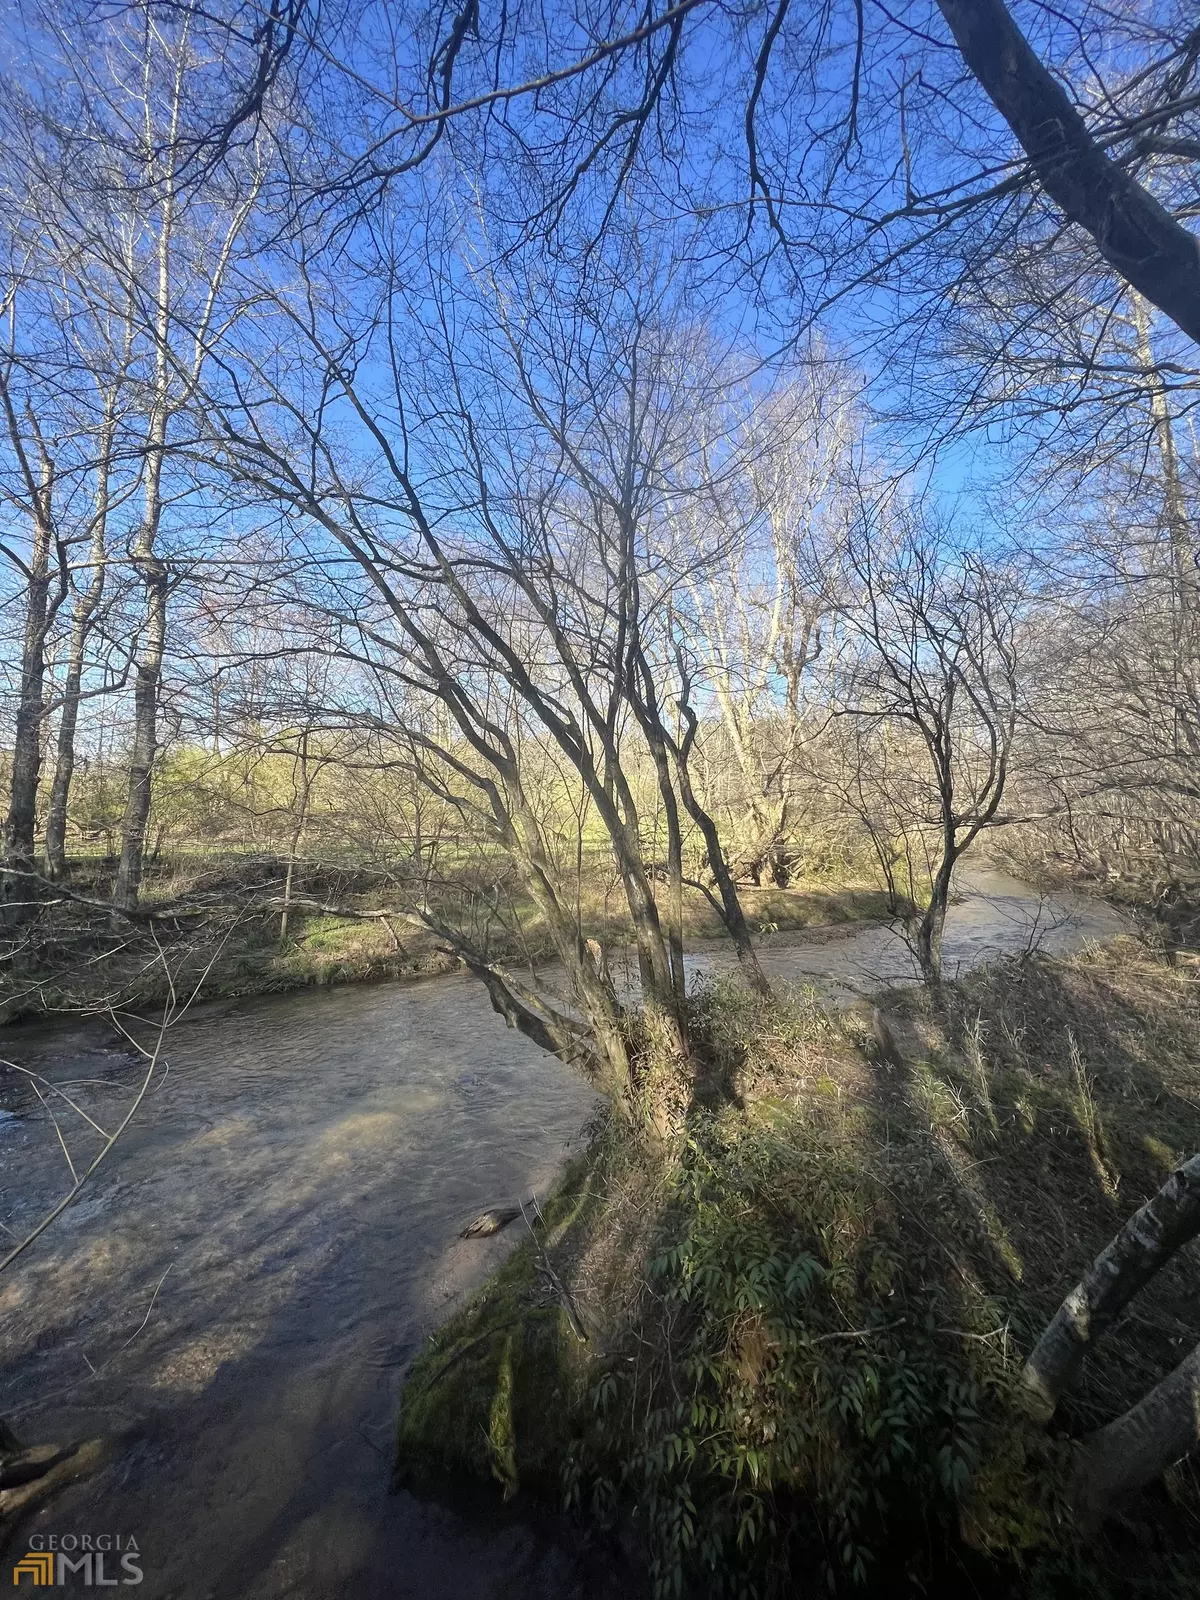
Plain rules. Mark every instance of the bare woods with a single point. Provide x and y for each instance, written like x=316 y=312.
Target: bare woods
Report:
x=600 y=455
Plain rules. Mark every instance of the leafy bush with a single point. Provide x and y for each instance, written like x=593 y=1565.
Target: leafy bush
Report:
x=794 y=1399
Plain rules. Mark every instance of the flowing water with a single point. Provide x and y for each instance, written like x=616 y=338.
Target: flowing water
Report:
x=300 y=1177
x=235 y=1294
x=993 y=915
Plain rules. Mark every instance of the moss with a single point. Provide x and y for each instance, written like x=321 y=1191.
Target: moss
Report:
x=496 y=1392
x=502 y=1428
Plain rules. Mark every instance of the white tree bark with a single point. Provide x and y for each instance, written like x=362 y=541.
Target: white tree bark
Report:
x=1138 y=1447
x=1150 y=1237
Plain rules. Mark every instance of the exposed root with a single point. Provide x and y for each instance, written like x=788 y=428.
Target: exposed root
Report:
x=34 y=1474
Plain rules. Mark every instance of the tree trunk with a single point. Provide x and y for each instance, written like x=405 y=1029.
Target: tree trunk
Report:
x=654 y=962
x=733 y=916
x=64 y=765
x=297 y=838
x=553 y=1034
x=1138 y=1447
x=674 y=917
x=81 y=621
x=731 y=902
x=20 y=824
x=1186 y=596
x=1175 y=508
x=145 y=734
x=565 y=1037
x=591 y=984
x=1135 y=234
x=150 y=567
x=932 y=924
x=1148 y=1239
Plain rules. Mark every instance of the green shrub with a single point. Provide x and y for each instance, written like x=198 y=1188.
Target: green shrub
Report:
x=811 y=1297
x=796 y=1399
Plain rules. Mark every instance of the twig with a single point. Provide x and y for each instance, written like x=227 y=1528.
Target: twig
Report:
x=556 y=1283
x=59 y=1132
x=471 y=1344
x=149 y=1309
x=57 y=1211
x=171 y=1015
x=37 y=1078
x=856 y=1333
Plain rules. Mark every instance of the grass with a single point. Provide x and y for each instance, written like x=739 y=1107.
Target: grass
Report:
x=808 y=1306
x=1092 y=1074
x=229 y=943
x=806 y=903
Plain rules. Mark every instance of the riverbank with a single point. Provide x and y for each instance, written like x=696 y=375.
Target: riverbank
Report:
x=218 y=931
x=1143 y=891
x=806 y=1310
x=237 y=1293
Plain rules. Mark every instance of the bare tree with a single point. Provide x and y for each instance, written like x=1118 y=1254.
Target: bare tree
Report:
x=45 y=574
x=173 y=378
x=1117 y=697
x=1148 y=247
x=84 y=613
x=504 y=511
x=762 y=612
x=936 y=662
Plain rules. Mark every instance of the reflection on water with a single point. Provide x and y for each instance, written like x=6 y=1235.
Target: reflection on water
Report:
x=240 y=1287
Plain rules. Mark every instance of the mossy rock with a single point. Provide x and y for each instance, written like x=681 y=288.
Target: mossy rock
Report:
x=495 y=1396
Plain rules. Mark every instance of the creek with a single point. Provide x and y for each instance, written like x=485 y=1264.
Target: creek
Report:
x=235 y=1295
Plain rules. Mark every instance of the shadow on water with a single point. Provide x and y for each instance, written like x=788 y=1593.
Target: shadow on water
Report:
x=286 y=1210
